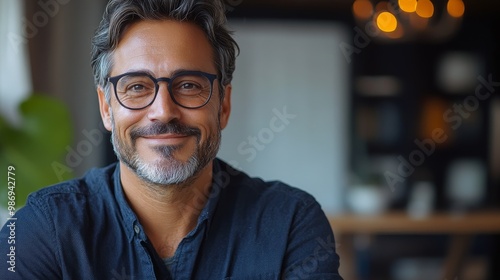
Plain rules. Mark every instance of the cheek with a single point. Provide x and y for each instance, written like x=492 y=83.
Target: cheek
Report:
x=207 y=120
x=124 y=121
x=212 y=115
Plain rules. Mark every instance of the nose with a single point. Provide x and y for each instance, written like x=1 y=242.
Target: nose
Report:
x=163 y=108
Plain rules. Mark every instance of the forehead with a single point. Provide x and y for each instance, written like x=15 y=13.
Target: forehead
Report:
x=163 y=46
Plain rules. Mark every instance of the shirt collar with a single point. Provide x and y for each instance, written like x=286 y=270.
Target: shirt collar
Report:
x=220 y=180
x=129 y=217
x=213 y=197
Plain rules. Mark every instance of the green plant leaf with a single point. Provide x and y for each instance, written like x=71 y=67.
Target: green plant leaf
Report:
x=47 y=121
x=32 y=148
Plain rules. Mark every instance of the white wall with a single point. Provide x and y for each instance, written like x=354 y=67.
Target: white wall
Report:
x=15 y=80
x=293 y=68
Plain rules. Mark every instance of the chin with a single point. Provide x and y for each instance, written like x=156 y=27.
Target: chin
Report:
x=167 y=171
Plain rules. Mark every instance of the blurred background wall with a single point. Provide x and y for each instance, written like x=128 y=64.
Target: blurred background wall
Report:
x=290 y=106
x=58 y=35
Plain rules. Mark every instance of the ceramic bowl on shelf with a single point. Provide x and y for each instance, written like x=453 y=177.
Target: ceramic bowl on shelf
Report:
x=367 y=199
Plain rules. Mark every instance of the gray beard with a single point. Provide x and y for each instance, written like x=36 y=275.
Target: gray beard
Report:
x=168 y=170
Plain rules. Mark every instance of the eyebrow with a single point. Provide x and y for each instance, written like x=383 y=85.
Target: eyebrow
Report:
x=173 y=73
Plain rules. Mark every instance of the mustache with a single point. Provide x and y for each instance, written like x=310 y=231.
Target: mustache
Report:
x=158 y=128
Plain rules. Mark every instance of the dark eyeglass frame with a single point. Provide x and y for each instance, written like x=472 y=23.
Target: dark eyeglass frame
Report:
x=211 y=77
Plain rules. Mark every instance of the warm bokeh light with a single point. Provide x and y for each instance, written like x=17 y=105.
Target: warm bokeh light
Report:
x=425 y=8
x=396 y=34
x=456 y=8
x=408 y=6
x=362 y=9
x=408 y=18
x=387 y=22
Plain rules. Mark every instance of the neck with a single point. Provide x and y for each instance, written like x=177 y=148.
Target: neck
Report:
x=167 y=213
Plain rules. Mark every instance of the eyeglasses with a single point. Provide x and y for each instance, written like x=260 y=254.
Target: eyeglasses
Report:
x=188 y=89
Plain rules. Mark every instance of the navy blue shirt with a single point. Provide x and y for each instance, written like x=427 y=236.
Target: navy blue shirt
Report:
x=248 y=229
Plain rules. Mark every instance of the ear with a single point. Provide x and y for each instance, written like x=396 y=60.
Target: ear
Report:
x=104 y=108
x=225 y=106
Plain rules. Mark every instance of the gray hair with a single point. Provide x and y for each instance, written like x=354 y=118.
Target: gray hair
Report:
x=209 y=15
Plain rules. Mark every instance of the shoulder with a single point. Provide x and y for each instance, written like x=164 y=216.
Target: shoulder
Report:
x=95 y=181
x=65 y=207
x=74 y=199
x=52 y=219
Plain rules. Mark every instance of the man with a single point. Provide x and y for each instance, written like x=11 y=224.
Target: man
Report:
x=168 y=209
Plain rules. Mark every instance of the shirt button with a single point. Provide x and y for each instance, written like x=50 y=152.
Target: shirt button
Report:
x=137 y=229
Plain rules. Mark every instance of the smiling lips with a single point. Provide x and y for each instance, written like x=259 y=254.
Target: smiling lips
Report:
x=169 y=138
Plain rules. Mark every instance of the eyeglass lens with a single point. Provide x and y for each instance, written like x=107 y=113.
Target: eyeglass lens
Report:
x=139 y=90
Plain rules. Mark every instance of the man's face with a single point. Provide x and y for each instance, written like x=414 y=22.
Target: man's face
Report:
x=165 y=143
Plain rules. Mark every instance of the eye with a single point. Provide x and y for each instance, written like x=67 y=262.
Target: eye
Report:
x=136 y=87
x=189 y=86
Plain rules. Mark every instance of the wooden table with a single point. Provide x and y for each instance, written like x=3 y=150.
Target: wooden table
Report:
x=460 y=227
